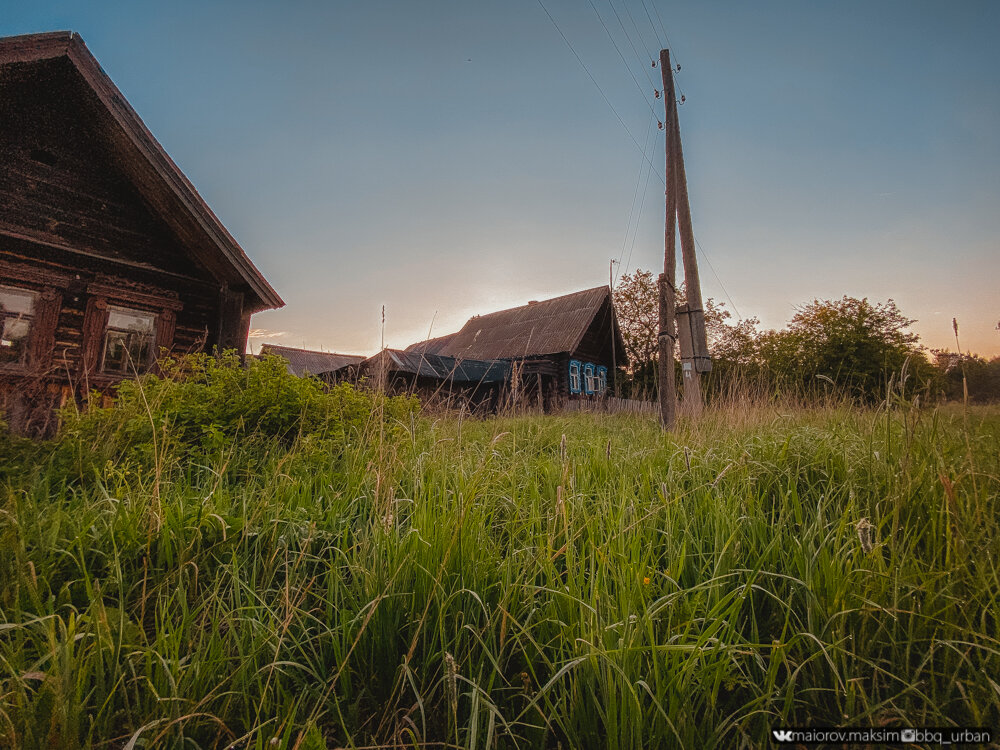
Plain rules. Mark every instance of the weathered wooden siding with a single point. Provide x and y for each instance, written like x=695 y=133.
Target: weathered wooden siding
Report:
x=62 y=185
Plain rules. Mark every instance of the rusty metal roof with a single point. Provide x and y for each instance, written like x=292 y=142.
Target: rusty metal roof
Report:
x=551 y=326
x=430 y=346
x=439 y=367
x=305 y=362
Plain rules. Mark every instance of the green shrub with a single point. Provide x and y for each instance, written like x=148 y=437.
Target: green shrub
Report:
x=203 y=405
x=17 y=454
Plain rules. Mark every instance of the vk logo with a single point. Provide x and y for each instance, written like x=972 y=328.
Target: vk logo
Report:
x=782 y=735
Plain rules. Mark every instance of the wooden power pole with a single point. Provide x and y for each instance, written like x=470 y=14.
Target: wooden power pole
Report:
x=687 y=322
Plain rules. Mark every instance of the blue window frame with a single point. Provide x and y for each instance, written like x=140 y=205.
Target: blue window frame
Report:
x=588 y=378
x=574 y=376
x=602 y=379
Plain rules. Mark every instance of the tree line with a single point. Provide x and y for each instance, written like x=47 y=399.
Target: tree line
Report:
x=855 y=346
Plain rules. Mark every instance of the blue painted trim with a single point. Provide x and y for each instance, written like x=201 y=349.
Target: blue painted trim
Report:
x=574 y=365
x=588 y=378
x=602 y=379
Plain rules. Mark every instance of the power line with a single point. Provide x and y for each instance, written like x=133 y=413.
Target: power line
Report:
x=596 y=84
x=635 y=232
x=666 y=38
x=624 y=62
x=642 y=149
x=643 y=167
x=642 y=61
x=724 y=290
x=638 y=32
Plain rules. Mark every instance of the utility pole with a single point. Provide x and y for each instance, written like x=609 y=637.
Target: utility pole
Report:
x=614 y=340
x=689 y=322
x=667 y=291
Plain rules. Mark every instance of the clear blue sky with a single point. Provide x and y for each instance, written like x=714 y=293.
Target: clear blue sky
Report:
x=453 y=158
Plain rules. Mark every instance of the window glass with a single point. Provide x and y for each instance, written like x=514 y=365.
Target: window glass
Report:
x=128 y=343
x=588 y=378
x=602 y=379
x=17 y=306
x=574 y=376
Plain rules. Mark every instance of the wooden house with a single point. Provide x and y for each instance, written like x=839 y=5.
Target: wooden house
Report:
x=108 y=255
x=561 y=349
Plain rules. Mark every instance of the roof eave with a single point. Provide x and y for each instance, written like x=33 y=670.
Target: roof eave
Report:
x=36 y=47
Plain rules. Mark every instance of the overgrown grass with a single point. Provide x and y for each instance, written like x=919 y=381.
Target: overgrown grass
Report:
x=524 y=582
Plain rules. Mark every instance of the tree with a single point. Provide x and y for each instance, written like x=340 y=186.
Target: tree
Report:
x=635 y=301
x=637 y=307
x=854 y=343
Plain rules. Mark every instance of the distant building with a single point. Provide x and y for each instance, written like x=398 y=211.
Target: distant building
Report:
x=437 y=380
x=559 y=349
x=302 y=362
x=108 y=255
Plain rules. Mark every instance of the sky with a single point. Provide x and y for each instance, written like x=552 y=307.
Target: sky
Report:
x=445 y=158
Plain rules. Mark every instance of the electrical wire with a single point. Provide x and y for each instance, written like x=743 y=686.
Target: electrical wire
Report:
x=716 y=275
x=643 y=167
x=628 y=38
x=642 y=149
x=596 y=84
x=635 y=80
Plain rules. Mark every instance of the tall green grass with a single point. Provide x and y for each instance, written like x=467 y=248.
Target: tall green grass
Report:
x=518 y=582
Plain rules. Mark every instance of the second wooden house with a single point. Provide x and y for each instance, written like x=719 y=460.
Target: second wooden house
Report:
x=561 y=349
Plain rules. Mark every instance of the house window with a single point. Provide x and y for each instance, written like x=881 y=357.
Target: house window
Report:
x=17 y=309
x=574 y=376
x=602 y=379
x=588 y=379
x=128 y=342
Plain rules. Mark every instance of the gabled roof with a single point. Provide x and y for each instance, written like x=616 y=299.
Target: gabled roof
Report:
x=305 y=362
x=552 y=326
x=439 y=367
x=151 y=170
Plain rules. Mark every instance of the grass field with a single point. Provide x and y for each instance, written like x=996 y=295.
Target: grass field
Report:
x=578 y=581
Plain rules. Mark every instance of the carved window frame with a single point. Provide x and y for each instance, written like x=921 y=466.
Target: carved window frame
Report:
x=111 y=292
x=48 y=286
x=575 y=375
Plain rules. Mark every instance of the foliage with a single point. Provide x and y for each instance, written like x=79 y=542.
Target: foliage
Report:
x=636 y=304
x=17 y=454
x=525 y=582
x=854 y=344
x=204 y=404
x=961 y=373
x=635 y=298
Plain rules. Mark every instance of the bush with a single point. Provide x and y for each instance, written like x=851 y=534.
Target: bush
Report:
x=206 y=405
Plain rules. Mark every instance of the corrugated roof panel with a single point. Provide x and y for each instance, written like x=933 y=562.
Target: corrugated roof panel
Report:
x=536 y=329
x=440 y=367
x=431 y=346
x=303 y=361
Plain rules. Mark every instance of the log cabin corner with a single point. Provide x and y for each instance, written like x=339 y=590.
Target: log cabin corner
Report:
x=108 y=255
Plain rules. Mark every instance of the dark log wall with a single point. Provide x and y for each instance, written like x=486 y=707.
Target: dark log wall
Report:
x=75 y=229
x=59 y=180
x=194 y=323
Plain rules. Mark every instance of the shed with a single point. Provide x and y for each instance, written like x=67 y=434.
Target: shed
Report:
x=436 y=379
x=302 y=362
